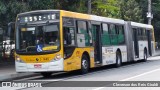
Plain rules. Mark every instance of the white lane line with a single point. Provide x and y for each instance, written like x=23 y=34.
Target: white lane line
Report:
x=140 y=75
x=132 y=77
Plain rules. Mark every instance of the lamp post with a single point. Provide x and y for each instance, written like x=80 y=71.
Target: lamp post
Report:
x=89 y=6
x=149 y=14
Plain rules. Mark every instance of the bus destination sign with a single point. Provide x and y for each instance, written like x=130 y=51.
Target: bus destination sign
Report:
x=37 y=17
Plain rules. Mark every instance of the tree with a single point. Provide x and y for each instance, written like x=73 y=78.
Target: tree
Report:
x=156 y=16
x=130 y=11
x=108 y=8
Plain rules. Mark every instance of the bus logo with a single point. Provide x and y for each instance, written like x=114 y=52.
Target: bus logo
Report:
x=37 y=59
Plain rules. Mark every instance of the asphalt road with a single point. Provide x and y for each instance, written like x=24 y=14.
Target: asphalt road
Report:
x=138 y=71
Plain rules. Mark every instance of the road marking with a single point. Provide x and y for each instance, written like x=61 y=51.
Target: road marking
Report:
x=132 y=77
x=141 y=75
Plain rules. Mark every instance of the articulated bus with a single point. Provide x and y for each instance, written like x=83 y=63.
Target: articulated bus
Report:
x=50 y=41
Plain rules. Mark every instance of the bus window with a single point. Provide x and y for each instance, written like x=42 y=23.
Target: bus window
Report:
x=121 y=37
x=83 y=38
x=113 y=36
x=105 y=35
x=51 y=35
x=112 y=29
x=32 y=37
x=69 y=41
x=82 y=27
x=71 y=31
x=105 y=28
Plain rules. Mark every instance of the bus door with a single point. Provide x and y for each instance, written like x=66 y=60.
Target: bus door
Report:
x=149 y=42
x=136 y=45
x=96 y=32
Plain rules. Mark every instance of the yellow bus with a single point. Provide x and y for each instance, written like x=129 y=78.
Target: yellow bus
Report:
x=50 y=41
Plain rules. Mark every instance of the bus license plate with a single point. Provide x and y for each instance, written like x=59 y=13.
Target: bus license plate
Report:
x=37 y=65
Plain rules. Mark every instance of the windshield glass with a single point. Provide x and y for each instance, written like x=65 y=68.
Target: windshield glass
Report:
x=43 y=38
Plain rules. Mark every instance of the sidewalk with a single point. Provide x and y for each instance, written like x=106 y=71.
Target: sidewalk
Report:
x=7 y=72
x=157 y=53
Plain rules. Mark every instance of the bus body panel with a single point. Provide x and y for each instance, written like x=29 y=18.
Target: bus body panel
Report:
x=129 y=42
x=37 y=63
x=74 y=61
x=109 y=54
x=54 y=66
x=142 y=46
x=131 y=35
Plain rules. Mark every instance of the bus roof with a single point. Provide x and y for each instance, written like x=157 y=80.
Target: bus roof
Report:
x=135 y=24
x=92 y=17
x=107 y=20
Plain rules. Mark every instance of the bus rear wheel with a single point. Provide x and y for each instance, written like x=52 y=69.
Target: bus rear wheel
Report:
x=84 y=65
x=46 y=74
x=118 y=59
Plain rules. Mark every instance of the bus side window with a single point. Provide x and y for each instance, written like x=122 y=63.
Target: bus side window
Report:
x=69 y=46
x=121 y=37
x=83 y=37
x=105 y=34
x=112 y=29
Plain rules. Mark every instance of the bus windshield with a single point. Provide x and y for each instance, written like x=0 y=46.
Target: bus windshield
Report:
x=39 y=38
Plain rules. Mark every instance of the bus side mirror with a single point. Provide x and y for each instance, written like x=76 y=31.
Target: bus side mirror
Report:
x=69 y=39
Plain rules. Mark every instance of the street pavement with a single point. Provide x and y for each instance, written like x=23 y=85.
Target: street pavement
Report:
x=139 y=71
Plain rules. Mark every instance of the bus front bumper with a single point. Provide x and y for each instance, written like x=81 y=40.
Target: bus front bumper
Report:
x=40 y=67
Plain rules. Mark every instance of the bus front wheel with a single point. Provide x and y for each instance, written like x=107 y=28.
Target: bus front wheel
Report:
x=84 y=65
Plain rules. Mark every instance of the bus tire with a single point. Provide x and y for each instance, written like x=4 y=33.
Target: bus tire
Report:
x=46 y=74
x=118 y=59
x=84 y=65
x=145 y=55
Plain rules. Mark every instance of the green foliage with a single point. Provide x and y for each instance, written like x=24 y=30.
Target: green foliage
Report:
x=130 y=11
x=109 y=8
x=156 y=16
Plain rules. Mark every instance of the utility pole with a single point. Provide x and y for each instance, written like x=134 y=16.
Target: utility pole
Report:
x=89 y=7
x=149 y=14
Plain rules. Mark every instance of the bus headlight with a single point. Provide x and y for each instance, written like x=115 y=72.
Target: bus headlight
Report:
x=57 y=57
x=18 y=59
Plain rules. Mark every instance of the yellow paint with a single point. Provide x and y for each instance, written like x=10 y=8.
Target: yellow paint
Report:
x=74 y=15
x=50 y=48
x=74 y=62
x=153 y=38
x=61 y=35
